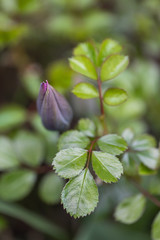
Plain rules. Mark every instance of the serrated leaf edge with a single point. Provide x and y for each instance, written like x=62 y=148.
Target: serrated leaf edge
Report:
x=71 y=214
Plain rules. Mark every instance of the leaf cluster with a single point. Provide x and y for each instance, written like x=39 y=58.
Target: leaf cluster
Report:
x=76 y=150
x=99 y=62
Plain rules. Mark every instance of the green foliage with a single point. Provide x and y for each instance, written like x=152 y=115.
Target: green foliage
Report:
x=93 y=145
x=84 y=66
x=113 y=66
x=143 y=142
x=86 y=49
x=142 y=156
x=107 y=48
x=87 y=126
x=70 y=162
x=73 y=139
x=112 y=144
x=31 y=81
x=50 y=188
x=156 y=228
x=154 y=186
x=8 y=158
x=11 y=116
x=130 y=209
x=16 y=185
x=85 y=91
x=80 y=195
x=29 y=148
x=143 y=170
x=106 y=166
x=115 y=96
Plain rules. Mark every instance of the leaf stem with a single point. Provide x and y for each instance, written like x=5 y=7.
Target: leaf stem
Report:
x=147 y=194
x=100 y=95
x=90 y=151
x=102 y=117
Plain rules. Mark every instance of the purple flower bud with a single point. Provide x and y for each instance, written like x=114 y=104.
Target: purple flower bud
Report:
x=55 y=112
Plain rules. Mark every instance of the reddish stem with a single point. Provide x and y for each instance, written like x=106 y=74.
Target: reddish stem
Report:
x=90 y=150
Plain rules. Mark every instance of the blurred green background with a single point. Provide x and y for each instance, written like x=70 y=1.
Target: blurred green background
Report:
x=36 y=39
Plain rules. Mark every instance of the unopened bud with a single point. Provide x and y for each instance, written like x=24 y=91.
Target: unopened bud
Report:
x=55 y=111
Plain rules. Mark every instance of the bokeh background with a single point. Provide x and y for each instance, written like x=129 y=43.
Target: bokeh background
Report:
x=36 y=39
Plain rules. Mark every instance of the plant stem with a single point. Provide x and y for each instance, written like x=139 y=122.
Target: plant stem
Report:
x=40 y=169
x=100 y=96
x=147 y=194
x=102 y=117
x=90 y=151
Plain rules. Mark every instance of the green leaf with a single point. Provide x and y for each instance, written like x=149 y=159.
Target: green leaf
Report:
x=130 y=165
x=73 y=139
x=16 y=185
x=80 y=195
x=11 y=116
x=106 y=166
x=113 y=66
x=150 y=158
x=128 y=135
x=156 y=228
x=8 y=158
x=130 y=209
x=145 y=171
x=143 y=142
x=112 y=144
x=85 y=91
x=86 y=49
x=50 y=188
x=83 y=65
x=107 y=48
x=87 y=126
x=115 y=96
x=29 y=148
x=70 y=162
